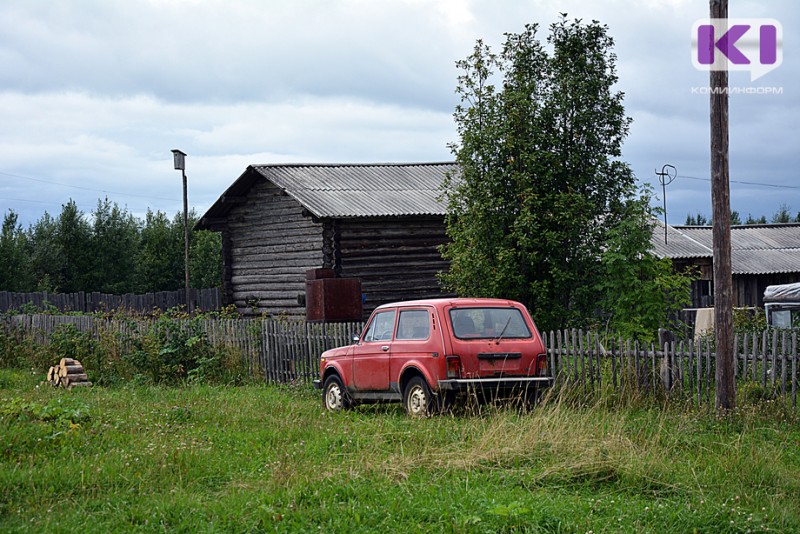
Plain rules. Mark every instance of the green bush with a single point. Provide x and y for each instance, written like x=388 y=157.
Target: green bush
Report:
x=174 y=351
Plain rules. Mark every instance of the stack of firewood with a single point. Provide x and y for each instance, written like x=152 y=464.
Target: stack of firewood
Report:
x=69 y=373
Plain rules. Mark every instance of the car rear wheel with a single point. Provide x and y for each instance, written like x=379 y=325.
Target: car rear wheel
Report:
x=334 y=396
x=418 y=399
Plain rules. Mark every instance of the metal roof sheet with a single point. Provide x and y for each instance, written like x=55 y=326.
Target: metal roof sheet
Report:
x=365 y=190
x=755 y=249
x=343 y=190
x=679 y=245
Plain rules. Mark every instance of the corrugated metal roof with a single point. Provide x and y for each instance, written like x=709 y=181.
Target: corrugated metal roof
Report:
x=765 y=261
x=368 y=190
x=755 y=249
x=679 y=245
x=344 y=190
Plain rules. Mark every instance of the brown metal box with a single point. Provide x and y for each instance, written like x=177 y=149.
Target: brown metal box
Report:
x=333 y=300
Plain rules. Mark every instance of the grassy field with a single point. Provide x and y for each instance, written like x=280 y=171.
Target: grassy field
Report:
x=258 y=458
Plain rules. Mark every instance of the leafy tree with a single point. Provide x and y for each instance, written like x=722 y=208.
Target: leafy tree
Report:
x=782 y=216
x=697 y=220
x=160 y=266
x=115 y=245
x=752 y=220
x=540 y=185
x=73 y=248
x=638 y=290
x=205 y=259
x=736 y=218
x=45 y=254
x=15 y=268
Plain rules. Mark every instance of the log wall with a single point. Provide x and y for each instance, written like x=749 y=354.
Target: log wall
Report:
x=395 y=258
x=270 y=242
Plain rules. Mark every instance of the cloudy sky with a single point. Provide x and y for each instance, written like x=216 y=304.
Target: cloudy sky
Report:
x=94 y=94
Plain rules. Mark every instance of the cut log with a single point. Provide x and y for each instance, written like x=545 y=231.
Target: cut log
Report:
x=79 y=385
x=50 y=373
x=71 y=379
x=67 y=361
x=74 y=369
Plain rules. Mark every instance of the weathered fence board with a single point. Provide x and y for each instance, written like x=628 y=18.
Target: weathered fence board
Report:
x=769 y=359
x=202 y=299
x=286 y=351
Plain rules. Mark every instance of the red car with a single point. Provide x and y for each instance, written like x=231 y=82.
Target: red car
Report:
x=428 y=353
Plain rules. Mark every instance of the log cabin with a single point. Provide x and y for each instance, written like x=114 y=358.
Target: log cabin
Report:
x=761 y=255
x=379 y=223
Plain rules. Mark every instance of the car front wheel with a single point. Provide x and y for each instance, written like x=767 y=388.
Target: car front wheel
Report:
x=418 y=399
x=334 y=396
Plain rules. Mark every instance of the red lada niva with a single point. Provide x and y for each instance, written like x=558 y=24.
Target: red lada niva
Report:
x=428 y=353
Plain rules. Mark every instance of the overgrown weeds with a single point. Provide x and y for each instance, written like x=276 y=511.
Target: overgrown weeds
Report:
x=170 y=349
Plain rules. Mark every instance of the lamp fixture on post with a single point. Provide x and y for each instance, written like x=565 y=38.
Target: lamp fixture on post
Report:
x=179 y=158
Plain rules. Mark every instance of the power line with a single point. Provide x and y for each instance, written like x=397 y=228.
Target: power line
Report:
x=83 y=188
x=778 y=186
x=24 y=200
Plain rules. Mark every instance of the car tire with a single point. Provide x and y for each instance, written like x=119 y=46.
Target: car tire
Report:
x=334 y=395
x=418 y=400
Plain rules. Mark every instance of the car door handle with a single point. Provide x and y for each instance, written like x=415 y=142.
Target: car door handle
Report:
x=385 y=348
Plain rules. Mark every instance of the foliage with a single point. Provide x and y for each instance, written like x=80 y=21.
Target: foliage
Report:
x=205 y=263
x=15 y=264
x=108 y=251
x=115 y=247
x=750 y=321
x=781 y=216
x=752 y=220
x=172 y=349
x=160 y=266
x=638 y=290
x=257 y=459
x=539 y=186
x=697 y=220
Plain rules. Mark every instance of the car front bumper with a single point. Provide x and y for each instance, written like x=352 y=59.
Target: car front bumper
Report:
x=318 y=384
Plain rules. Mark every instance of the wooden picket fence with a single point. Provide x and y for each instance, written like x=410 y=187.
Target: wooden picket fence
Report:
x=279 y=350
x=89 y=302
x=287 y=351
x=584 y=360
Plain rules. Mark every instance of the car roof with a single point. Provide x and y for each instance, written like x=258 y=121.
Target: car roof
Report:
x=452 y=302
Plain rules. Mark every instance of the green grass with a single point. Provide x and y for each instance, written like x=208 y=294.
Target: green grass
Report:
x=259 y=458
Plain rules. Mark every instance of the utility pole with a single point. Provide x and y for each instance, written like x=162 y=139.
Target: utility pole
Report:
x=721 y=201
x=179 y=159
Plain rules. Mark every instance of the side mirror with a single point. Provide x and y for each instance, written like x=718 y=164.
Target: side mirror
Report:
x=355 y=338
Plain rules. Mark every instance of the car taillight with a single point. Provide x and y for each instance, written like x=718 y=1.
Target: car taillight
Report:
x=541 y=364
x=453 y=367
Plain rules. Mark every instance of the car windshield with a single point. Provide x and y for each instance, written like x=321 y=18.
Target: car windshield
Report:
x=488 y=323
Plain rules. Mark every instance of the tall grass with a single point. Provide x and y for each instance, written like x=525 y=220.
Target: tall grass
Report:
x=255 y=458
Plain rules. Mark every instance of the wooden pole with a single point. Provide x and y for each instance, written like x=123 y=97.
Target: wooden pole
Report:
x=186 y=242
x=720 y=198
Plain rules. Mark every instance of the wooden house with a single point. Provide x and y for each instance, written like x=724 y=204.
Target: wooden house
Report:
x=380 y=223
x=761 y=255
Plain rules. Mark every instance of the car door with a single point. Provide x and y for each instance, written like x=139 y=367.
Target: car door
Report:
x=413 y=342
x=372 y=354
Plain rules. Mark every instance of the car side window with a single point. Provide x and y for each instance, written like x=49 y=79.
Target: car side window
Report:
x=382 y=326
x=413 y=325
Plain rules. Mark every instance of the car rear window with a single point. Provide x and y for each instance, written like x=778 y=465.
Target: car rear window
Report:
x=488 y=323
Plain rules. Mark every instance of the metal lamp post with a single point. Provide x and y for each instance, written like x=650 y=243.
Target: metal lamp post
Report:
x=180 y=164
